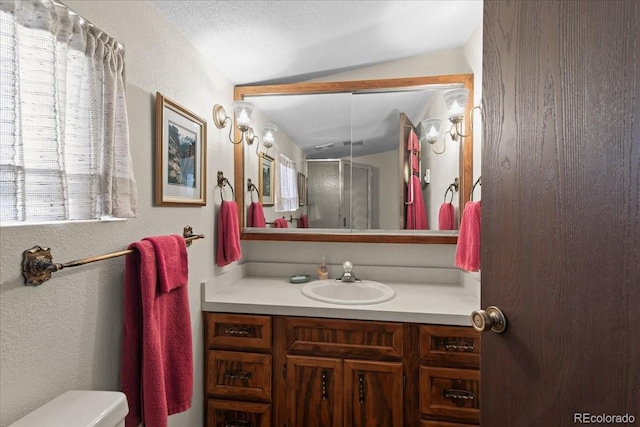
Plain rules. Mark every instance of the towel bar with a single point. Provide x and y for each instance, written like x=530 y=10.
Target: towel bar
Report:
x=37 y=262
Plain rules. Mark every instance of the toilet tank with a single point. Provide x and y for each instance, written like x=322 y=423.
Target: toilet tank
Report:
x=77 y=408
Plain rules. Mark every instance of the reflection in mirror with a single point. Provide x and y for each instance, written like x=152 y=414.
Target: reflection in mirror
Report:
x=363 y=154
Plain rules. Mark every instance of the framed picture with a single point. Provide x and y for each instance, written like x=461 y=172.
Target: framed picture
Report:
x=265 y=179
x=181 y=153
x=302 y=189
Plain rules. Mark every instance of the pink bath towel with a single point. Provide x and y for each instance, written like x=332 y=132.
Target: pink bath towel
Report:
x=468 y=248
x=280 y=223
x=416 y=213
x=447 y=217
x=229 y=249
x=303 y=222
x=157 y=357
x=171 y=261
x=413 y=144
x=256 y=216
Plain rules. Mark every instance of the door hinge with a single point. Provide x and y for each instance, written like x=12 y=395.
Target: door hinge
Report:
x=404 y=381
x=284 y=371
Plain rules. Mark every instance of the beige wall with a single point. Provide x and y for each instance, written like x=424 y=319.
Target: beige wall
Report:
x=66 y=333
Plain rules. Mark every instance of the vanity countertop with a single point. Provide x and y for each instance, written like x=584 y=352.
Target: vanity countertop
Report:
x=434 y=303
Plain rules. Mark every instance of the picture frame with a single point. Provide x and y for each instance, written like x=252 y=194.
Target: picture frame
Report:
x=266 y=179
x=180 y=157
x=302 y=189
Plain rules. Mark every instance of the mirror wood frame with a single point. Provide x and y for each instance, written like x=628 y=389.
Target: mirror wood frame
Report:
x=466 y=157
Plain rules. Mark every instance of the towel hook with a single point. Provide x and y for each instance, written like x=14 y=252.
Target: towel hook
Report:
x=251 y=187
x=478 y=182
x=222 y=181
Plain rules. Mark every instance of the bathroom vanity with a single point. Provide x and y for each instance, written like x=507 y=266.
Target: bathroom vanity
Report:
x=276 y=358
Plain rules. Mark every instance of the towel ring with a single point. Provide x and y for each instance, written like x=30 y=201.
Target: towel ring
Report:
x=478 y=182
x=453 y=187
x=222 y=181
x=251 y=187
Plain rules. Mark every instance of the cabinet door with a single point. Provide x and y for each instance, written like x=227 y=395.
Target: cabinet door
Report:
x=373 y=394
x=314 y=391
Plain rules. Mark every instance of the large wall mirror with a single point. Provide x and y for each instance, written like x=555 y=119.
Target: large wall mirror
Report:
x=363 y=167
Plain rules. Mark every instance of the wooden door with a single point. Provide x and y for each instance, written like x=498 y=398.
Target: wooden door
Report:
x=314 y=391
x=561 y=211
x=373 y=394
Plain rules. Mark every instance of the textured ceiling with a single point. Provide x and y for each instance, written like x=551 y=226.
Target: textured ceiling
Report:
x=253 y=42
x=284 y=41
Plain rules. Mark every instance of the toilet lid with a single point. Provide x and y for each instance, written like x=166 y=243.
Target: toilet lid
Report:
x=78 y=408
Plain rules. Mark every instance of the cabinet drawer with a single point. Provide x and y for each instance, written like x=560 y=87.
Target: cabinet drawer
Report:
x=450 y=346
x=343 y=338
x=221 y=413
x=239 y=375
x=452 y=393
x=239 y=332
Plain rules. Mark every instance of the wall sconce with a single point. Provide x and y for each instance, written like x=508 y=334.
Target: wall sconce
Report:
x=242 y=111
x=431 y=129
x=268 y=138
x=456 y=101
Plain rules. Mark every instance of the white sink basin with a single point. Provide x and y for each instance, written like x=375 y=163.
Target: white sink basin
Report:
x=356 y=293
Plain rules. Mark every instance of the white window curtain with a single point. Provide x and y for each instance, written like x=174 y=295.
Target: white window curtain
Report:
x=286 y=191
x=64 y=134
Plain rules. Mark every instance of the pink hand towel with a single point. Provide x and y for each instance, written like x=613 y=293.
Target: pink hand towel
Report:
x=447 y=217
x=171 y=261
x=256 y=216
x=303 y=222
x=416 y=213
x=280 y=223
x=229 y=249
x=157 y=361
x=468 y=248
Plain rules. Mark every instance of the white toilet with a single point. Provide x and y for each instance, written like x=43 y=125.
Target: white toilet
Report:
x=79 y=409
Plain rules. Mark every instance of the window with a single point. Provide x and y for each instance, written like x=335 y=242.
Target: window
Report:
x=286 y=187
x=64 y=134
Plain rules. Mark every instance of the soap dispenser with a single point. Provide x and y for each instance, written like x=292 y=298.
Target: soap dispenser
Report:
x=323 y=270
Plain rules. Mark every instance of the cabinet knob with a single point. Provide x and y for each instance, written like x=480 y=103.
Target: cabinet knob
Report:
x=491 y=318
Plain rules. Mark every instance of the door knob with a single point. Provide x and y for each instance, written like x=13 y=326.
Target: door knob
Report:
x=492 y=318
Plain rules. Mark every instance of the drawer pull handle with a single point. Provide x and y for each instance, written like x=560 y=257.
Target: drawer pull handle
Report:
x=238 y=330
x=361 y=387
x=454 y=394
x=324 y=384
x=237 y=423
x=238 y=375
x=452 y=345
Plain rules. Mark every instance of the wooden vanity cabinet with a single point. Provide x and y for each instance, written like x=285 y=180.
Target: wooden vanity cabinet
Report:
x=238 y=370
x=449 y=376
x=286 y=371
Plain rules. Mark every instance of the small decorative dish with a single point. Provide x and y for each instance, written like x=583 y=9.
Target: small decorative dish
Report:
x=299 y=278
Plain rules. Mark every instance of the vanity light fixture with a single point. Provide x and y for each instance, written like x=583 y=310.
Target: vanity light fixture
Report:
x=268 y=138
x=456 y=101
x=431 y=129
x=242 y=111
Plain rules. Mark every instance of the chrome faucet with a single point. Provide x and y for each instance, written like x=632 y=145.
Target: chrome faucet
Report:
x=347 y=275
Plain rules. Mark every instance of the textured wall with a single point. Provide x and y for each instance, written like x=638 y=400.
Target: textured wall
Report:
x=66 y=333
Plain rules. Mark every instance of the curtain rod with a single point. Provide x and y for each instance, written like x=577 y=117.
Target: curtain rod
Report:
x=37 y=262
